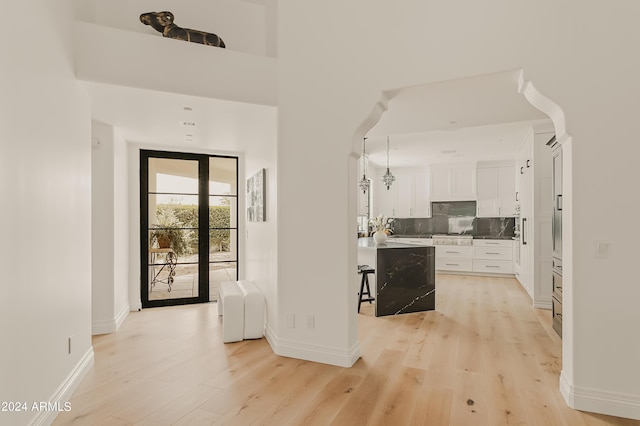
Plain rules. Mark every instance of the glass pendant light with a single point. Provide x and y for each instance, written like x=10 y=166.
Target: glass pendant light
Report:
x=364 y=182
x=388 y=178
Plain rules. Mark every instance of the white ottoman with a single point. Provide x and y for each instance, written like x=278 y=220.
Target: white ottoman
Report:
x=231 y=307
x=253 y=310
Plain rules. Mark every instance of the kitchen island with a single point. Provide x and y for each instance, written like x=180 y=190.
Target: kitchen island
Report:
x=404 y=276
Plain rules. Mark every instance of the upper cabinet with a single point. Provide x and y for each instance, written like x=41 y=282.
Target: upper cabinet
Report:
x=453 y=182
x=408 y=196
x=496 y=190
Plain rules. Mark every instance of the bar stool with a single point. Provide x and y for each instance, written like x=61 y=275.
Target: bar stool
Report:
x=365 y=270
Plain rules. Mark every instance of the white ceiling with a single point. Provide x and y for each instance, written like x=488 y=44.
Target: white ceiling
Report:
x=474 y=119
x=158 y=118
x=481 y=118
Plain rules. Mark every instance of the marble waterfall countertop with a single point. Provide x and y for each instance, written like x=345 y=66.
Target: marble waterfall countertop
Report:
x=404 y=276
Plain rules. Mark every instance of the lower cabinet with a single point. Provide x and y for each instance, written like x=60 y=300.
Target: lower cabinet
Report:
x=493 y=256
x=484 y=256
x=557 y=296
x=454 y=258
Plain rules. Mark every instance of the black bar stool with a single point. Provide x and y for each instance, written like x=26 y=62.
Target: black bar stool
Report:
x=365 y=270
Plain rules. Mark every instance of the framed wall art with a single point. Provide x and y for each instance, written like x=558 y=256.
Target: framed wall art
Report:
x=256 y=197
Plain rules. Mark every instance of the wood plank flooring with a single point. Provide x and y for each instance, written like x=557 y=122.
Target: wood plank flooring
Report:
x=484 y=357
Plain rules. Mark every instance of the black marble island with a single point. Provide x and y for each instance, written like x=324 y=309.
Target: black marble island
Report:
x=405 y=276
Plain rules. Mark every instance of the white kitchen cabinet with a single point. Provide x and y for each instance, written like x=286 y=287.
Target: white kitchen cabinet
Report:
x=454 y=258
x=526 y=195
x=408 y=196
x=493 y=256
x=421 y=195
x=404 y=195
x=487 y=192
x=496 y=191
x=453 y=182
x=507 y=203
x=384 y=200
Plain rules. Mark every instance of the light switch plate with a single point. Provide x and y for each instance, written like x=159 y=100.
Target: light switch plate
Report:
x=602 y=249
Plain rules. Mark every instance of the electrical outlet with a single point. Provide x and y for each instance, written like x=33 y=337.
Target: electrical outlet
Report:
x=311 y=321
x=291 y=320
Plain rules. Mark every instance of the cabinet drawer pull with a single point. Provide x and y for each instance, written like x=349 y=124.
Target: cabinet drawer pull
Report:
x=491 y=266
x=456 y=252
x=492 y=243
x=452 y=264
x=492 y=253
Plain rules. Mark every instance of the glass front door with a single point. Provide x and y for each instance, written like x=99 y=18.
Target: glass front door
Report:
x=189 y=234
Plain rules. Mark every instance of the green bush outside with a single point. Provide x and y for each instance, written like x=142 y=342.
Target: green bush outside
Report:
x=187 y=217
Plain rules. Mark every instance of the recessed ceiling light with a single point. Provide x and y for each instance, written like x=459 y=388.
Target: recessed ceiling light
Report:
x=188 y=123
x=187 y=108
x=453 y=122
x=188 y=136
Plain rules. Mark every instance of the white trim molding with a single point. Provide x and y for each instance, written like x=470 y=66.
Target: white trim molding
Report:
x=66 y=389
x=111 y=325
x=599 y=401
x=122 y=315
x=315 y=353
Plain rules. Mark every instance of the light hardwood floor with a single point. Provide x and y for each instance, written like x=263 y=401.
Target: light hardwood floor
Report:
x=484 y=357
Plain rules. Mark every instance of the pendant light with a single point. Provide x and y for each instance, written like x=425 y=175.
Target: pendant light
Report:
x=364 y=182
x=388 y=178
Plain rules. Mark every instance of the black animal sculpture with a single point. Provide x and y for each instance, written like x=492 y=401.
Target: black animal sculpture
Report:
x=163 y=22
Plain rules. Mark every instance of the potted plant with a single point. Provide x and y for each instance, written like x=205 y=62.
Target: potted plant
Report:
x=382 y=227
x=168 y=232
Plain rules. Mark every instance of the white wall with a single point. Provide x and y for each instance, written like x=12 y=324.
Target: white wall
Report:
x=241 y=24
x=45 y=182
x=260 y=239
x=585 y=65
x=110 y=229
x=254 y=143
x=102 y=229
x=121 y=229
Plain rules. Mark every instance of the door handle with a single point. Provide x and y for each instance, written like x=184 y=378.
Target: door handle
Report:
x=528 y=164
x=559 y=202
x=521 y=170
x=517 y=196
x=524 y=227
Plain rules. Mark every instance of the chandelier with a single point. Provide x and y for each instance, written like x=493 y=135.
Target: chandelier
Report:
x=364 y=182
x=388 y=178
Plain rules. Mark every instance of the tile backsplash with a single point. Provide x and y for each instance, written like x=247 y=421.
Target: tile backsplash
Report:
x=456 y=217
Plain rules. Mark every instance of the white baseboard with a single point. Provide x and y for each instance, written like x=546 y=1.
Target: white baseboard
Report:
x=122 y=315
x=598 y=401
x=136 y=305
x=543 y=304
x=64 y=392
x=110 y=325
x=315 y=353
x=103 y=326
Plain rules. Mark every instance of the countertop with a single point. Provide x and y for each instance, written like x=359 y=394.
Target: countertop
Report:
x=368 y=242
x=475 y=237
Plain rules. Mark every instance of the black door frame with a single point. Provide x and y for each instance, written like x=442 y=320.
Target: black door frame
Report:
x=203 y=225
